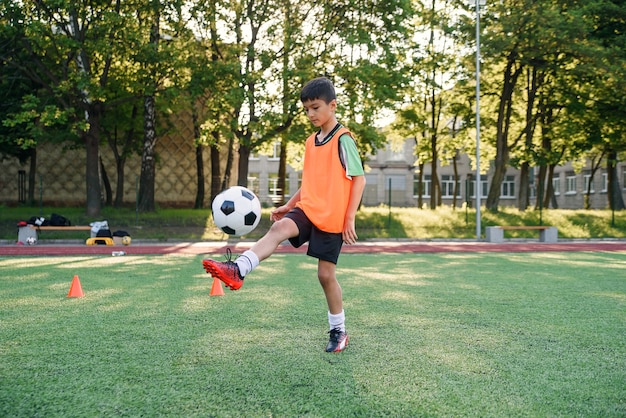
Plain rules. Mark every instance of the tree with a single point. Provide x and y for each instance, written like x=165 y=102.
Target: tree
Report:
x=278 y=52
x=162 y=45
x=366 y=59
x=536 y=42
x=607 y=19
x=19 y=109
x=428 y=114
x=579 y=114
x=264 y=112
x=67 y=49
x=152 y=77
x=121 y=129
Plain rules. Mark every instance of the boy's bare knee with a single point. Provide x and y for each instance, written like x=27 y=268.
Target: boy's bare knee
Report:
x=283 y=229
x=326 y=273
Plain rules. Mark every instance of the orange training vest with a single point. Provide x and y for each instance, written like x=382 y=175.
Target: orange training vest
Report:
x=325 y=190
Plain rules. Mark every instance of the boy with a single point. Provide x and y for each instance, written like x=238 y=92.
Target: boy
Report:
x=321 y=212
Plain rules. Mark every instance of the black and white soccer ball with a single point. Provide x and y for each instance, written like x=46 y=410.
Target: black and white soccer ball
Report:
x=31 y=240
x=236 y=211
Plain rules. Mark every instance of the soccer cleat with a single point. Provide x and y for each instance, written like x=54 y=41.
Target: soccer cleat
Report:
x=227 y=271
x=338 y=341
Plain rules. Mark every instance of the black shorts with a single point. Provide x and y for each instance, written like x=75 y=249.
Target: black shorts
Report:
x=322 y=245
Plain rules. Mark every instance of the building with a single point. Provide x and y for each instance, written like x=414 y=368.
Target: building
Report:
x=392 y=179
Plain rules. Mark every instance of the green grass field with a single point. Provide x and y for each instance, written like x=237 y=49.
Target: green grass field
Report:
x=448 y=334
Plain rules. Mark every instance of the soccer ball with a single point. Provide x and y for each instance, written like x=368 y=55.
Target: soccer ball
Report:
x=126 y=240
x=31 y=240
x=236 y=211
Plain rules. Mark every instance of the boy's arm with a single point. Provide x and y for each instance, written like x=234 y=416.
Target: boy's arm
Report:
x=356 y=193
x=278 y=213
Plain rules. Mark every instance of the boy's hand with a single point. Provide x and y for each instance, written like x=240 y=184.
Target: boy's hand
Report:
x=349 y=232
x=278 y=213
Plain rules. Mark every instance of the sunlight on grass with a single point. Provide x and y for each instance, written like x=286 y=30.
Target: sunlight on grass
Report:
x=612 y=295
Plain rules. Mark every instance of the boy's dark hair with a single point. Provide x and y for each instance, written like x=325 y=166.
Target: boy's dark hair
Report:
x=318 y=88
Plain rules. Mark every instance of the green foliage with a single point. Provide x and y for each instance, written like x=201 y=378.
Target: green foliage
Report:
x=40 y=122
x=240 y=69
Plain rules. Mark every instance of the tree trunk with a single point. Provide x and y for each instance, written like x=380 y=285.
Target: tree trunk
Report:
x=595 y=164
x=242 y=168
x=200 y=192
x=148 y=162
x=540 y=184
x=420 y=186
x=455 y=189
x=229 y=163
x=148 y=165
x=120 y=158
x=92 y=176
x=199 y=203
x=523 y=199
x=119 y=185
x=107 y=184
x=282 y=172
x=535 y=80
x=616 y=201
x=32 y=175
x=550 y=197
x=215 y=167
x=282 y=159
x=502 y=132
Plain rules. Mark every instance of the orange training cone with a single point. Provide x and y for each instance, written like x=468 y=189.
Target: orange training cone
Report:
x=216 y=289
x=76 y=290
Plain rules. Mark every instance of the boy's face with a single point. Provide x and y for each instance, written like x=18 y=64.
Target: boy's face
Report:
x=319 y=112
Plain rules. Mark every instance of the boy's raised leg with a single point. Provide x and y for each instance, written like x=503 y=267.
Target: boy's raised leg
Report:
x=232 y=272
x=226 y=271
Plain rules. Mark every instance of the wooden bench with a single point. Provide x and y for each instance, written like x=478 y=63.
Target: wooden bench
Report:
x=60 y=228
x=90 y=241
x=546 y=233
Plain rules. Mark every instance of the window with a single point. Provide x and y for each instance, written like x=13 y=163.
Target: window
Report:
x=556 y=184
x=253 y=182
x=507 y=189
x=484 y=187
x=272 y=186
x=275 y=151
x=426 y=184
x=587 y=179
x=447 y=187
x=570 y=183
x=604 y=182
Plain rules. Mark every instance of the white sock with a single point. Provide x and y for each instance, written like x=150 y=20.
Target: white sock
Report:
x=247 y=262
x=337 y=321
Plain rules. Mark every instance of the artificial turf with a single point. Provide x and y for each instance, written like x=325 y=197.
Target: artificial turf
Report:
x=449 y=334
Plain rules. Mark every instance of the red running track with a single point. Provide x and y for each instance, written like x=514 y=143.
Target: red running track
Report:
x=195 y=248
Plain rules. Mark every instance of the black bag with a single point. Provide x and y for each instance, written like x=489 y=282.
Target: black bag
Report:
x=36 y=220
x=121 y=233
x=104 y=233
x=58 y=220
